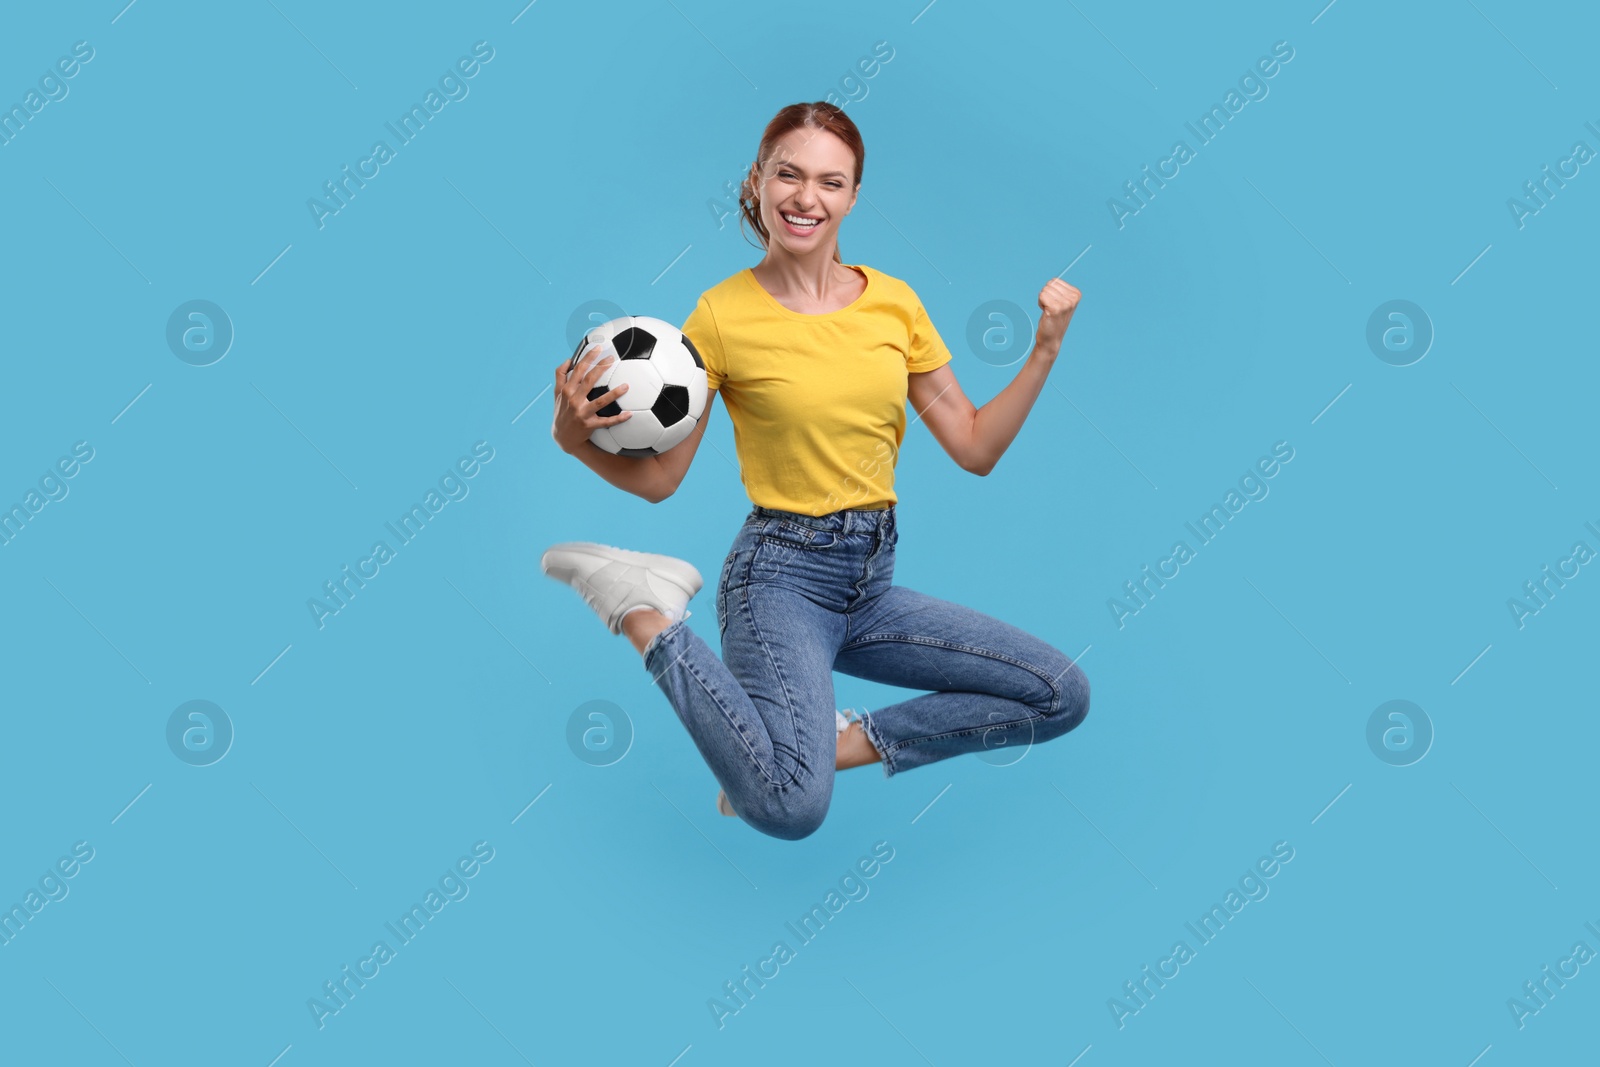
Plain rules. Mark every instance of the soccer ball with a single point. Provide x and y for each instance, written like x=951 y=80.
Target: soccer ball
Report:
x=666 y=384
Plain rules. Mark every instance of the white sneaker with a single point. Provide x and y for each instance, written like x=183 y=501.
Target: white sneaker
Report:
x=840 y=725
x=613 y=580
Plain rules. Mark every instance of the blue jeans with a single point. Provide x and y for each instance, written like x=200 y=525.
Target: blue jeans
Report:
x=801 y=596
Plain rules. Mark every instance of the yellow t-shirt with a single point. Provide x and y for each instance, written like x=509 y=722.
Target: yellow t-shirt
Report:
x=818 y=402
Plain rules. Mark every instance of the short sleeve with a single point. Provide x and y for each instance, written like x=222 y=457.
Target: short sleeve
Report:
x=701 y=330
x=927 y=349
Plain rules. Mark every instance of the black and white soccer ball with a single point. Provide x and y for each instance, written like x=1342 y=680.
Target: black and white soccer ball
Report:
x=666 y=384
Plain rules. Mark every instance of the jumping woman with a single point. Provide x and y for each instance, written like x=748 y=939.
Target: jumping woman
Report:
x=816 y=360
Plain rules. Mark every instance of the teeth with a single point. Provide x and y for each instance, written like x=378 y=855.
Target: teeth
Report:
x=798 y=221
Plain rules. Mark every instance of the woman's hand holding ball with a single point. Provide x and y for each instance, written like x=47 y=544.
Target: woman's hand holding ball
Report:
x=575 y=417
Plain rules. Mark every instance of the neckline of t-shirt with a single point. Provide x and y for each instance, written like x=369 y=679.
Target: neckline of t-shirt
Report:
x=750 y=276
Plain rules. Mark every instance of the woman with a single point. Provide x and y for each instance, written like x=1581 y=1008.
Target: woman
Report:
x=815 y=360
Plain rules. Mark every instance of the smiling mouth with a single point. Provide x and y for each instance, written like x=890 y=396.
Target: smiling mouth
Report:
x=800 y=223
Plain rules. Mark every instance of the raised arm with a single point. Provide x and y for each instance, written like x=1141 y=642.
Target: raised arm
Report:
x=652 y=477
x=976 y=438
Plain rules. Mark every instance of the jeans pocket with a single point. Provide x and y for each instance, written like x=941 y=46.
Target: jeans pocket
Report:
x=797 y=535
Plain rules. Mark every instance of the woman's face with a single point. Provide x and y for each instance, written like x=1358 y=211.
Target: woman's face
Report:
x=809 y=175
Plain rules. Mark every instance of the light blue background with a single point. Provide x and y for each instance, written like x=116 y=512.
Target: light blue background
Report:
x=425 y=716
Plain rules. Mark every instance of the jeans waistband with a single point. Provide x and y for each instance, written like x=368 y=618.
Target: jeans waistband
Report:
x=852 y=519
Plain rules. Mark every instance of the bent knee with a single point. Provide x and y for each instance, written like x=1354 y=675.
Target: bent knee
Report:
x=795 y=829
x=790 y=814
x=1072 y=701
x=789 y=827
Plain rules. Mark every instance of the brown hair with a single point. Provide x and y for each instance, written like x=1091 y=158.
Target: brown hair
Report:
x=819 y=115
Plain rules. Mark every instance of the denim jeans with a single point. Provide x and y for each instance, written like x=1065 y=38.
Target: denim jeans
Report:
x=801 y=596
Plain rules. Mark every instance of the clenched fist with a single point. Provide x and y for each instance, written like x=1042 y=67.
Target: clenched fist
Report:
x=1057 y=302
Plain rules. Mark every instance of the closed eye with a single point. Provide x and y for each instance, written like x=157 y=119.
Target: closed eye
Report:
x=790 y=174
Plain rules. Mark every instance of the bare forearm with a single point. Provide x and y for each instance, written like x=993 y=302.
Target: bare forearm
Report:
x=642 y=476
x=996 y=424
